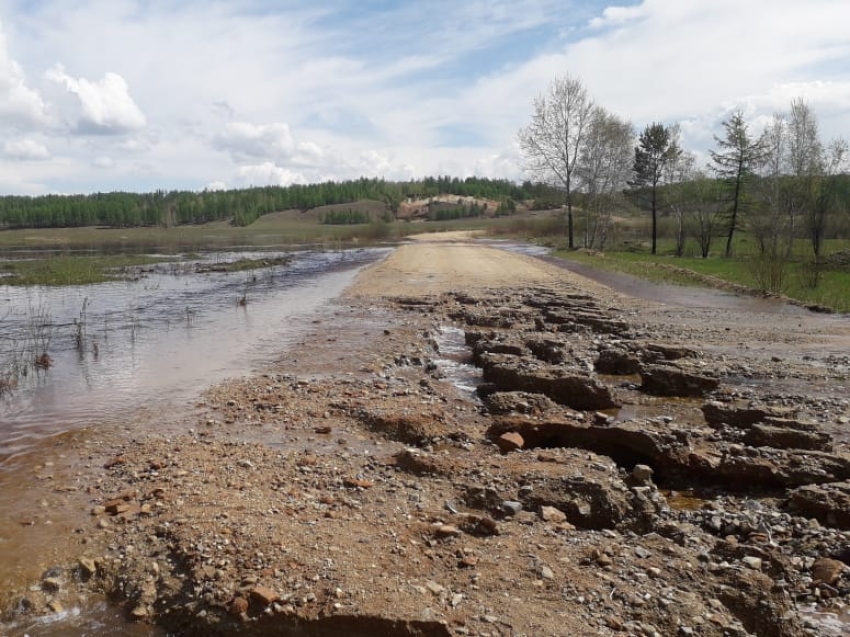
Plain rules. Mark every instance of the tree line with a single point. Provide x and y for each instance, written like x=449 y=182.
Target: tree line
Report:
x=242 y=206
x=781 y=185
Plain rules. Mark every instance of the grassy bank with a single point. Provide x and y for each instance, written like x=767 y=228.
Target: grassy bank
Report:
x=793 y=278
x=69 y=270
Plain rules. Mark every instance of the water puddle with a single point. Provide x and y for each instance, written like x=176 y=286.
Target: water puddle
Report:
x=455 y=362
x=122 y=346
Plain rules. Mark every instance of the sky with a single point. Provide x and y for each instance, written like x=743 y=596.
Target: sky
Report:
x=140 y=95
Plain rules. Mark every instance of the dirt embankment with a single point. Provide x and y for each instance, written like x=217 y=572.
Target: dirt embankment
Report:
x=625 y=468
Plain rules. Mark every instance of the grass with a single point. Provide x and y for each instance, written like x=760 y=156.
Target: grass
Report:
x=832 y=291
x=69 y=270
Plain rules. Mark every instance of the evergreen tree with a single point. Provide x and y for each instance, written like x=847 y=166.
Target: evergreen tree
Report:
x=737 y=156
x=657 y=148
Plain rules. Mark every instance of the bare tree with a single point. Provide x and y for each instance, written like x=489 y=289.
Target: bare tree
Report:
x=552 y=142
x=677 y=174
x=603 y=168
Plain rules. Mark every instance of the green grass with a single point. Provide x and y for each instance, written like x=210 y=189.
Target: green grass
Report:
x=833 y=289
x=69 y=270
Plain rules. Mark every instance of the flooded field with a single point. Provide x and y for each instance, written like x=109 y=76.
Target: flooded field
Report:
x=132 y=345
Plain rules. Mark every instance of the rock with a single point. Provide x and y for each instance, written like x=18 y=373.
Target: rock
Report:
x=551 y=514
x=510 y=507
x=87 y=567
x=733 y=414
x=140 y=612
x=642 y=473
x=546 y=573
x=617 y=362
x=356 y=483
x=55 y=607
x=510 y=441
x=752 y=562
x=51 y=584
x=446 y=530
x=827 y=571
x=434 y=588
x=263 y=595
x=576 y=390
x=506 y=402
x=827 y=503
x=667 y=380
x=238 y=606
x=760 y=435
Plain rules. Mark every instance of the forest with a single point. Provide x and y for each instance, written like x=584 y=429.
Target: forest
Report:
x=242 y=207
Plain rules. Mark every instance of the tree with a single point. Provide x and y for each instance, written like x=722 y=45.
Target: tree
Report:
x=552 y=142
x=603 y=168
x=655 y=151
x=737 y=155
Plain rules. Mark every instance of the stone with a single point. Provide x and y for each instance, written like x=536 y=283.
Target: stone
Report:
x=510 y=441
x=238 y=606
x=87 y=566
x=51 y=584
x=55 y=607
x=546 y=573
x=510 y=507
x=752 y=562
x=551 y=514
x=642 y=473
x=263 y=595
x=446 y=530
x=140 y=612
x=434 y=588
x=827 y=571
x=667 y=380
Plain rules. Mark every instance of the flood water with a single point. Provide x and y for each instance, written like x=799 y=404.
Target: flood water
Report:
x=127 y=345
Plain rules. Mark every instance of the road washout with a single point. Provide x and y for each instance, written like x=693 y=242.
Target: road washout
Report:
x=627 y=468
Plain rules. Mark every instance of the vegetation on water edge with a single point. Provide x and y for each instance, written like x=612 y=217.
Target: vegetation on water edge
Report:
x=70 y=270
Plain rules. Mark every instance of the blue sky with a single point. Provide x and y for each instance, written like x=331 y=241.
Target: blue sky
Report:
x=100 y=95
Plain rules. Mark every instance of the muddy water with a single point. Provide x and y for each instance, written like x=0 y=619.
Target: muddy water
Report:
x=130 y=348
x=120 y=347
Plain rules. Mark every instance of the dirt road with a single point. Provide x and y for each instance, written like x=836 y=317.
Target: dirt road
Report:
x=626 y=468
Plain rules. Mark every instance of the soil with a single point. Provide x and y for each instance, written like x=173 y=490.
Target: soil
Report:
x=355 y=489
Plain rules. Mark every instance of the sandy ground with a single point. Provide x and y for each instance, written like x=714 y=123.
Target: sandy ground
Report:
x=434 y=263
x=354 y=488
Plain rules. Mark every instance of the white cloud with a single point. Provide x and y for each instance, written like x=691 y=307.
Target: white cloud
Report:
x=314 y=89
x=103 y=162
x=106 y=105
x=20 y=105
x=246 y=141
x=26 y=149
x=267 y=174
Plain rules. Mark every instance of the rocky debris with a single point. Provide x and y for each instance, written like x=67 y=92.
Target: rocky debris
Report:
x=571 y=388
x=668 y=380
x=293 y=503
x=517 y=402
x=760 y=435
x=828 y=503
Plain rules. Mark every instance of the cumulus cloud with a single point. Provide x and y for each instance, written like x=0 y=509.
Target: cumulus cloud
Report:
x=20 y=105
x=247 y=142
x=268 y=173
x=26 y=149
x=106 y=105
